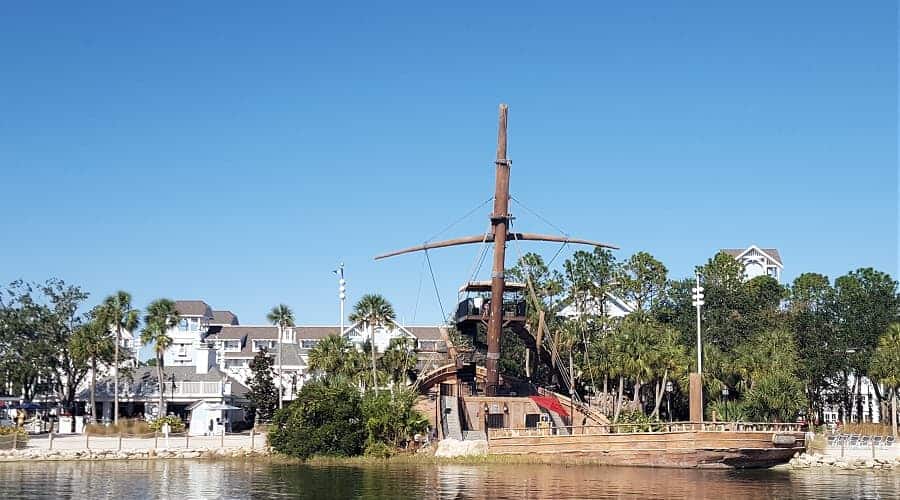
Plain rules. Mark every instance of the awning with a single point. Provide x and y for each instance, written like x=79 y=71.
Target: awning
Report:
x=550 y=403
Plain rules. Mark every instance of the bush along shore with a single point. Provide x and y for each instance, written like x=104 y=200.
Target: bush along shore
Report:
x=32 y=454
x=815 y=460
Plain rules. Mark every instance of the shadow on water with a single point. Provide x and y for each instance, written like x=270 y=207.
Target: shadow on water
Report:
x=235 y=479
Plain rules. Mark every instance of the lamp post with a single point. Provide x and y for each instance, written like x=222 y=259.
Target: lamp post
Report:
x=669 y=399
x=697 y=296
x=696 y=379
x=725 y=400
x=342 y=291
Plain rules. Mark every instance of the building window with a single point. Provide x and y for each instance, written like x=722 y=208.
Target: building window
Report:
x=308 y=343
x=532 y=419
x=231 y=345
x=259 y=345
x=195 y=324
x=495 y=421
x=183 y=324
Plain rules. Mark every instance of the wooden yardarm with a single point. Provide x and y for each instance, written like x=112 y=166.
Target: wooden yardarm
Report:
x=500 y=218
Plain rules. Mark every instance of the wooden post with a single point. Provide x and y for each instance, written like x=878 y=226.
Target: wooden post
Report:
x=500 y=224
x=222 y=439
x=872 y=441
x=119 y=444
x=87 y=439
x=155 y=439
x=50 y=437
x=187 y=439
x=252 y=437
x=696 y=397
x=15 y=439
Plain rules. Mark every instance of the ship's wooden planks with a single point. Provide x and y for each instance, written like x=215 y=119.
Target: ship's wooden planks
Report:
x=669 y=449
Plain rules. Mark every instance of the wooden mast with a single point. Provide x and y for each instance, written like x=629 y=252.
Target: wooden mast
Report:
x=500 y=226
x=499 y=235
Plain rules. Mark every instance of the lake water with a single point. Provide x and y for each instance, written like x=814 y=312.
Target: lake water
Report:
x=195 y=479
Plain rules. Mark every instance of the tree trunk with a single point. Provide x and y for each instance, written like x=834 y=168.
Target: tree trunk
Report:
x=116 y=376
x=162 y=385
x=374 y=371
x=660 y=391
x=894 y=412
x=605 y=384
x=93 y=387
x=636 y=398
x=619 y=399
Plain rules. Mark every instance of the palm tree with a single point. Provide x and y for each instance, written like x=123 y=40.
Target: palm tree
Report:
x=116 y=312
x=886 y=366
x=281 y=316
x=373 y=310
x=398 y=359
x=161 y=316
x=93 y=345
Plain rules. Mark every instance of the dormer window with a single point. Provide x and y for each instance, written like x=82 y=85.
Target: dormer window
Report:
x=231 y=345
x=259 y=345
x=183 y=324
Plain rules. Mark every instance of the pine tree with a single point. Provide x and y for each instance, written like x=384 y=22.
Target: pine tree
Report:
x=263 y=394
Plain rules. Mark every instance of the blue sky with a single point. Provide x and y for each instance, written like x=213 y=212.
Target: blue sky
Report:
x=238 y=153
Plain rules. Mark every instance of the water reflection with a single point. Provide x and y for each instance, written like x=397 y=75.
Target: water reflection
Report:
x=234 y=479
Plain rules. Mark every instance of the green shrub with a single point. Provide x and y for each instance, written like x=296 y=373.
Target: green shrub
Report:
x=378 y=450
x=322 y=420
x=391 y=417
x=641 y=422
x=175 y=424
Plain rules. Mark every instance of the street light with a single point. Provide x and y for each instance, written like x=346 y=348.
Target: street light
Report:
x=725 y=397
x=342 y=291
x=669 y=399
x=697 y=301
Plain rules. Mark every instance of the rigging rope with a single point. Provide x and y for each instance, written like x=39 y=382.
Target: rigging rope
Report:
x=434 y=282
x=554 y=226
x=479 y=258
x=419 y=292
x=457 y=221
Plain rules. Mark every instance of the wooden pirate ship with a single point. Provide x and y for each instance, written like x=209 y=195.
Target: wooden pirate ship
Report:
x=514 y=417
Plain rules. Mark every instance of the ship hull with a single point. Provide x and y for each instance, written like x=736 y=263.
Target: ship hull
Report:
x=687 y=449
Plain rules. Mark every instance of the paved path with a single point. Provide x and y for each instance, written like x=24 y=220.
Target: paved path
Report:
x=80 y=442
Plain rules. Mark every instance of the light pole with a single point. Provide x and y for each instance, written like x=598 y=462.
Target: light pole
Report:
x=669 y=399
x=696 y=379
x=725 y=401
x=342 y=291
x=697 y=296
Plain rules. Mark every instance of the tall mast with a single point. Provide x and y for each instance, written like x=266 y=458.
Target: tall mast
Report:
x=500 y=226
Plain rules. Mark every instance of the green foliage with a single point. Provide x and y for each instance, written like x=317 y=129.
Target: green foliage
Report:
x=263 y=394
x=885 y=364
x=175 y=424
x=637 y=422
x=643 y=280
x=323 y=420
x=391 y=418
x=378 y=449
x=731 y=411
x=776 y=396
x=399 y=359
x=281 y=315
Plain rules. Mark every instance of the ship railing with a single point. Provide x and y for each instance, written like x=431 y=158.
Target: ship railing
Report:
x=657 y=427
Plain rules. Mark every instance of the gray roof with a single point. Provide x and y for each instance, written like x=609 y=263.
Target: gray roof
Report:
x=239 y=332
x=426 y=332
x=192 y=308
x=144 y=381
x=224 y=318
x=772 y=252
x=316 y=332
